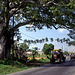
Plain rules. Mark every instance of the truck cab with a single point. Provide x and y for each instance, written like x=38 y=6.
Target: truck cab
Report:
x=57 y=56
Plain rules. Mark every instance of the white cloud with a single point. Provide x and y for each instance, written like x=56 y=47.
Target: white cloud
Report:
x=61 y=30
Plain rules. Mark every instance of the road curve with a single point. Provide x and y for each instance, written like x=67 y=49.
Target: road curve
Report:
x=66 y=68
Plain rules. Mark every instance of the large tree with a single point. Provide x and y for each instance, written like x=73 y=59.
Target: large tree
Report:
x=47 y=48
x=24 y=46
x=38 y=13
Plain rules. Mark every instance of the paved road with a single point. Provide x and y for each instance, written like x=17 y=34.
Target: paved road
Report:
x=66 y=68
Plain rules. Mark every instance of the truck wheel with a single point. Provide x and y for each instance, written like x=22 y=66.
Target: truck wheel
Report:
x=52 y=61
x=59 y=60
x=63 y=60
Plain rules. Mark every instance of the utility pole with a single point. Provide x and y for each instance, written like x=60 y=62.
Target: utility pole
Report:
x=13 y=44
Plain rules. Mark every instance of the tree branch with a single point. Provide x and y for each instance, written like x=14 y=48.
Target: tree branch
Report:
x=21 y=24
x=17 y=6
x=52 y=2
x=24 y=23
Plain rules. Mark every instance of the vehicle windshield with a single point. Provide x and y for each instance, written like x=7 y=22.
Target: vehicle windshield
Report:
x=55 y=52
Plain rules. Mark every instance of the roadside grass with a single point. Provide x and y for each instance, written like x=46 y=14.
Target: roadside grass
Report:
x=6 y=67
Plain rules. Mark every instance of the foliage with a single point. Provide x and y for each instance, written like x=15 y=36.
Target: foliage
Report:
x=6 y=69
x=47 y=48
x=60 y=49
x=24 y=46
x=35 y=48
x=71 y=43
x=38 y=13
x=72 y=33
x=65 y=53
x=34 y=52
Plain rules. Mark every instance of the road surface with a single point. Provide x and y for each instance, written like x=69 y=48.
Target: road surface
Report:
x=66 y=68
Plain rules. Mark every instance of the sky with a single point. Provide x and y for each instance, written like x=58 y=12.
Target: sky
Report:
x=49 y=33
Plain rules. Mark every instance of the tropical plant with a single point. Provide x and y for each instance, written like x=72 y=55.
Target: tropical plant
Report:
x=34 y=52
x=24 y=46
x=36 y=13
x=47 y=48
x=51 y=39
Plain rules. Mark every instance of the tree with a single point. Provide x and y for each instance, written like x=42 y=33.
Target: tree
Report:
x=24 y=46
x=35 y=48
x=46 y=39
x=71 y=43
x=40 y=13
x=58 y=40
x=72 y=33
x=34 y=52
x=51 y=39
x=47 y=48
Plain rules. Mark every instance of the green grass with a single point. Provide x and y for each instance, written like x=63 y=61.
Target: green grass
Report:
x=6 y=69
x=6 y=66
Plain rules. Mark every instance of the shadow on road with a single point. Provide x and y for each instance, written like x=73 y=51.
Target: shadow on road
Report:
x=68 y=63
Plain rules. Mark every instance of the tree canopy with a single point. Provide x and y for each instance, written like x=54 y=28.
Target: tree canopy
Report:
x=47 y=48
x=56 y=13
x=37 y=14
x=24 y=46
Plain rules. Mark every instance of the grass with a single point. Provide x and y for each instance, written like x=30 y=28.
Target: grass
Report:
x=6 y=68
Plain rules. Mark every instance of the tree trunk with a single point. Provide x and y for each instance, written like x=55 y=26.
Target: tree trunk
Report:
x=33 y=56
x=2 y=42
x=5 y=43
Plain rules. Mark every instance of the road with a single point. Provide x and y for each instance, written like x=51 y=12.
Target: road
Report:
x=66 y=68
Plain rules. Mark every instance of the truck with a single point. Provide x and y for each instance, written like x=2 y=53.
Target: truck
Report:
x=57 y=56
x=72 y=56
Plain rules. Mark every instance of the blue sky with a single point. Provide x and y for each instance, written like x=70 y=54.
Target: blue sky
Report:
x=49 y=33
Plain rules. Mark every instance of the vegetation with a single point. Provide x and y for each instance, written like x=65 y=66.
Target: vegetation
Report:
x=34 y=52
x=66 y=53
x=39 y=13
x=6 y=68
x=72 y=43
x=24 y=46
x=47 y=48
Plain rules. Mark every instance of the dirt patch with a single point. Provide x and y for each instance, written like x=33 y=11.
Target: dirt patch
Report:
x=37 y=58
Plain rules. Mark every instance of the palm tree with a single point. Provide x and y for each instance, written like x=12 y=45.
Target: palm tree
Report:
x=51 y=39
x=37 y=40
x=46 y=39
x=40 y=41
x=31 y=41
x=64 y=39
x=43 y=40
x=67 y=41
x=61 y=41
x=58 y=40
